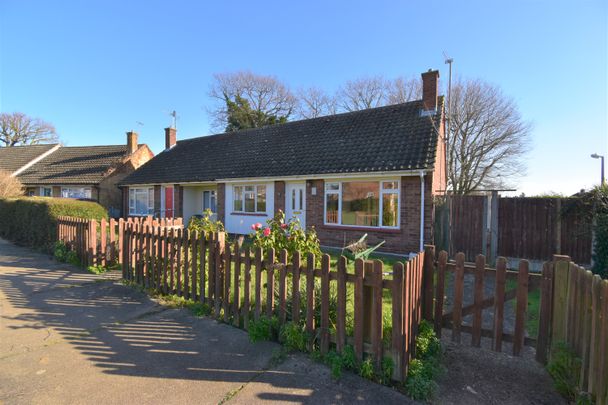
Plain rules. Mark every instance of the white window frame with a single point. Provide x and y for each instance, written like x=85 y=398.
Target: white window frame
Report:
x=382 y=190
x=133 y=191
x=42 y=189
x=212 y=197
x=89 y=189
x=255 y=202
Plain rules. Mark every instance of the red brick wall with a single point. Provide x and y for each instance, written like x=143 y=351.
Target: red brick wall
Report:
x=403 y=240
x=221 y=202
x=279 y=196
x=440 y=172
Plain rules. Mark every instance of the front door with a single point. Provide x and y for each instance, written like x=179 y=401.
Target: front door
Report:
x=167 y=202
x=295 y=202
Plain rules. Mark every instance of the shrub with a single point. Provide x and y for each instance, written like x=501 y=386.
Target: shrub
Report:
x=264 y=328
x=61 y=251
x=293 y=336
x=426 y=367
x=206 y=223
x=10 y=186
x=565 y=368
x=289 y=235
x=32 y=221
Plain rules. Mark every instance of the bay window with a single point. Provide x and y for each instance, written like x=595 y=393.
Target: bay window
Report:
x=249 y=199
x=362 y=203
x=141 y=201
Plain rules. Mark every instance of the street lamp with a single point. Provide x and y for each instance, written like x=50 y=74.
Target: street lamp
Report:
x=596 y=156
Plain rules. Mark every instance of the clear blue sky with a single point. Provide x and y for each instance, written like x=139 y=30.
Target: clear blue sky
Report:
x=94 y=68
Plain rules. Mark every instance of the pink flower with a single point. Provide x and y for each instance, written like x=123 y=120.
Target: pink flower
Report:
x=256 y=226
x=266 y=231
x=253 y=227
x=284 y=226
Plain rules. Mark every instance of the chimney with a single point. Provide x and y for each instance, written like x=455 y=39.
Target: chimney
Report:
x=131 y=142
x=430 y=87
x=170 y=137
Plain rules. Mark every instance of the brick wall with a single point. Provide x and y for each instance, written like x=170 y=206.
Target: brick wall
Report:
x=221 y=202
x=279 y=196
x=110 y=195
x=157 y=199
x=403 y=240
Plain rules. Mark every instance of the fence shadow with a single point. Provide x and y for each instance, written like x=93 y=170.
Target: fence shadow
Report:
x=123 y=332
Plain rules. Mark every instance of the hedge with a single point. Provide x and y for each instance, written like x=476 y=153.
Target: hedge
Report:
x=32 y=221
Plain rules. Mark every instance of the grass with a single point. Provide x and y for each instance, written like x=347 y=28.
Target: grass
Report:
x=532 y=314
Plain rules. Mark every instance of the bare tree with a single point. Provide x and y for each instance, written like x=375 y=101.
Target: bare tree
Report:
x=362 y=93
x=9 y=186
x=314 y=102
x=402 y=90
x=19 y=129
x=265 y=94
x=488 y=138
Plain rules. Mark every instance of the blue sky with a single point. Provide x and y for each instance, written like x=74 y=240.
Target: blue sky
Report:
x=95 y=68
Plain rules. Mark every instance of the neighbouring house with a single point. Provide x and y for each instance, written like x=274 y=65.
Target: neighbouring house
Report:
x=81 y=172
x=373 y=171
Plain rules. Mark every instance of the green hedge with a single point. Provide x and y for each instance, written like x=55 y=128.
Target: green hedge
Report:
x=32 y=221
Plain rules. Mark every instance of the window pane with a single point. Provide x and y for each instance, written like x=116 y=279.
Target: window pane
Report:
x=238 y=198
x=360 y=203
x=390 y=185
x=141 y=202
x=331 y=209
x=150 y=209
x=293 y=199
x=213 y=204
x=206 y=200
x=332 y=186
x=249 y=199
x=390 y=207
x=261 y=198
x=131 y=199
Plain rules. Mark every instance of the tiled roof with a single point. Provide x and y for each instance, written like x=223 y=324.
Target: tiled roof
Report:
x=74 y=165
x=15 y=157
x=391 y=138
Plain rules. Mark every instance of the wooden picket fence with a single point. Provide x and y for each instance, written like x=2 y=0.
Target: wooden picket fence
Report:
x=579 y=317
x=338 y=307
x=453 y=319
x=242 y=284
x=100 y=243
x=573 y=309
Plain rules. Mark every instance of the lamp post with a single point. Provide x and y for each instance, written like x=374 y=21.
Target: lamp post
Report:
x=596 y=156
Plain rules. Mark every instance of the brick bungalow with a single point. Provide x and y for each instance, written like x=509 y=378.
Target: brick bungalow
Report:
x=373 y=171
x=83 y=172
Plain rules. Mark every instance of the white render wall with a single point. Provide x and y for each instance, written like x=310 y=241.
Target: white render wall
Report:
x=193 y=200
x=241 y=224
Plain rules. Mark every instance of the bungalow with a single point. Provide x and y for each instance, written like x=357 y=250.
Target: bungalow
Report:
x=82 y=172
x=373 y=171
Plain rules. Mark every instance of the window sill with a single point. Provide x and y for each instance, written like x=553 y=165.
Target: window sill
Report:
x=330 y=227
x=250 y=214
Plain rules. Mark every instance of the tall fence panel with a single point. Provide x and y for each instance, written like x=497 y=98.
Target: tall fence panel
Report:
x=523 y=227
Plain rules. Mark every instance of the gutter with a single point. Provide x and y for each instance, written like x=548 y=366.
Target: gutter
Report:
x=421 y=248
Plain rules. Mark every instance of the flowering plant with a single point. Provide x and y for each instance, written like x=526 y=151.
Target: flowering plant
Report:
x=280 y=234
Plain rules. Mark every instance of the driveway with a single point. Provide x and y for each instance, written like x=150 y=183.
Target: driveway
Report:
x=68 y=336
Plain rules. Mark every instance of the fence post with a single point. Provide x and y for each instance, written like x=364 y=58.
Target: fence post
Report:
x=92 y=242
x=428 y=276
x=560 y=297
x=546 y=307
x=220 y=246
x=493 y=253
x=398 y=336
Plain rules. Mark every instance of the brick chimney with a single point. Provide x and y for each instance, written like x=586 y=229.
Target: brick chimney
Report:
x=430 y=88
x=170 y=137
x=131 y=142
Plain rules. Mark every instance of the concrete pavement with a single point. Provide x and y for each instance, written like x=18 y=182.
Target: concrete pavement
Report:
x=71 y=337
